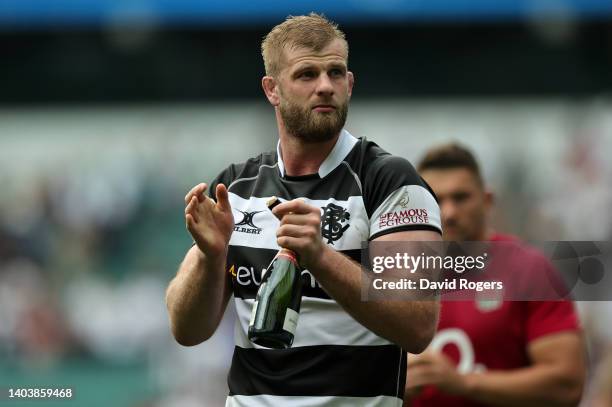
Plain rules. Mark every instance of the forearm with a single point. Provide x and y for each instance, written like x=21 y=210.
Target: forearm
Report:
x=532 y=386
x=196 y=298
x=409 y=324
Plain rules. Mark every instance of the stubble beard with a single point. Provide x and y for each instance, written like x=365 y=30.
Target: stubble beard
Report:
x=311 y=126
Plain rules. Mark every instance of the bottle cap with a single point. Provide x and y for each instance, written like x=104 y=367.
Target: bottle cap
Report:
x=273 y=202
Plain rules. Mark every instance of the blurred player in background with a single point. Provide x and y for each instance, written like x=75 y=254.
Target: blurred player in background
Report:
x=497 y=353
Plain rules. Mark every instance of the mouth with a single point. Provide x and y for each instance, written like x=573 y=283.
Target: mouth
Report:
x=324 y=108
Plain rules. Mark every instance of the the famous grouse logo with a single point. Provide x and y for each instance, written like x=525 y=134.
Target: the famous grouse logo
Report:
x=332 y=227
x=246 y=225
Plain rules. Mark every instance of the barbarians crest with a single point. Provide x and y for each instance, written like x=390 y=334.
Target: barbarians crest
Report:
x=404 y=200
x=332 y=227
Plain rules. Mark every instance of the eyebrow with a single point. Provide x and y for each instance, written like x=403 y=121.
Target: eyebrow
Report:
x=331 y=65
x=336 y=65
x=304 y=67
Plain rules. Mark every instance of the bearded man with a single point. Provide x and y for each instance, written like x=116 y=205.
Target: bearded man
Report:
x=334 y=188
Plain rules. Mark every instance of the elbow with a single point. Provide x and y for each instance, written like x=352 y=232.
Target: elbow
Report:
x=574 y=400
x=573 y=393
x=186 y=332
x=422 y=332
x=182 y=329
x=571 y=398
x=570 y=388
x=420 y=340
x=189 y=339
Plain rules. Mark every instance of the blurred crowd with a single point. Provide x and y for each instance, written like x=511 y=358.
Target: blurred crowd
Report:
x=86 y=251
x=88 y=244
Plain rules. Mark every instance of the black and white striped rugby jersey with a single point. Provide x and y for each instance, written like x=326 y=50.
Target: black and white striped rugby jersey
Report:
x=363 y=192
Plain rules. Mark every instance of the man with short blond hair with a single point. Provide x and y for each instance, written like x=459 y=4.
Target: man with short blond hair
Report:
x=313 y=32
x=334 y=190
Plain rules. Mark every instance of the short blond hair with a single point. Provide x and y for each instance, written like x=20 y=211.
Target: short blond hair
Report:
x=313 y=31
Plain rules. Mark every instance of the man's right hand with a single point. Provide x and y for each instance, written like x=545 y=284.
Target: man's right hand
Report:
x=210 y=223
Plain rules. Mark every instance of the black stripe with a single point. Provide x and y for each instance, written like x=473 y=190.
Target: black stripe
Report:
x=382 y=174
x=340 y=184
x=246 y=265
x=405 y=228
x=330 y=370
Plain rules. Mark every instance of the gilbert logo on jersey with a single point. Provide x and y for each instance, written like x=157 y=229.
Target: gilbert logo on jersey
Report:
x=246 y=225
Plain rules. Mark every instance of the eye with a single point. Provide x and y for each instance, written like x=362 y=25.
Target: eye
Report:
x=336 y=72
x=306 y=75
x=460 y=197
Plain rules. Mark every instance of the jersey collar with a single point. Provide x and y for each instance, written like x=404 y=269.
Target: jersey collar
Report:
x=344 y=145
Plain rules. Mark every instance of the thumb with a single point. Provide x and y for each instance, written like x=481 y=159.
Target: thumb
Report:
x=223 y=198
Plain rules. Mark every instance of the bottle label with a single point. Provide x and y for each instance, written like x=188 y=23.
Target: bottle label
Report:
x=253 y=312
x=291 y=319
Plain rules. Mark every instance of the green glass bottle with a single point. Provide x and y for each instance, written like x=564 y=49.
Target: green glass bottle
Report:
x=277 y=303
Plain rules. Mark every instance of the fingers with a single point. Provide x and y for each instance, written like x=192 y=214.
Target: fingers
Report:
x=198 y=209
x=417 y=384
x=296 y=206
x=197 y=191
x=413 y=359
x=190 y=222
x=191 y=209
x=301 y=219
x=291 y=243
x=297 y=212
x=422 y=359
x=421 y=376
x=223 y=198
x=297 y=231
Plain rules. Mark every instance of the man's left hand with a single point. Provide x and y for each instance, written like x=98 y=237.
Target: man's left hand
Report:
x=300 y=231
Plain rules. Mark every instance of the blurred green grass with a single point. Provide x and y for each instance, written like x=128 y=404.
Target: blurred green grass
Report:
x=94 y=383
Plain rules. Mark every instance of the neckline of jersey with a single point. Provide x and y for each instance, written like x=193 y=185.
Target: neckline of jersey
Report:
x=343 y=147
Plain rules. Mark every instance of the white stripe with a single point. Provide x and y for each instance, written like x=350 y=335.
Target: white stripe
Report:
x=265 y=400
x=418 y=198
x=321 y=322
x=281 y=164
x=355 y=234
x=399 y=372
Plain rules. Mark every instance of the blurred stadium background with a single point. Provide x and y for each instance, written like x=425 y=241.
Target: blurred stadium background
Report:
x=111 y=110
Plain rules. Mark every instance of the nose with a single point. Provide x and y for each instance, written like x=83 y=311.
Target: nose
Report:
x=448 y=211
x=324 y=85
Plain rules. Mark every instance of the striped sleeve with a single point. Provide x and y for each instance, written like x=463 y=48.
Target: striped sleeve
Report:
x=398 y=199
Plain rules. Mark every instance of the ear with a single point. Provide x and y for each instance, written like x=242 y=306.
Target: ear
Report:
x=351 y=82
x=268 y=83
